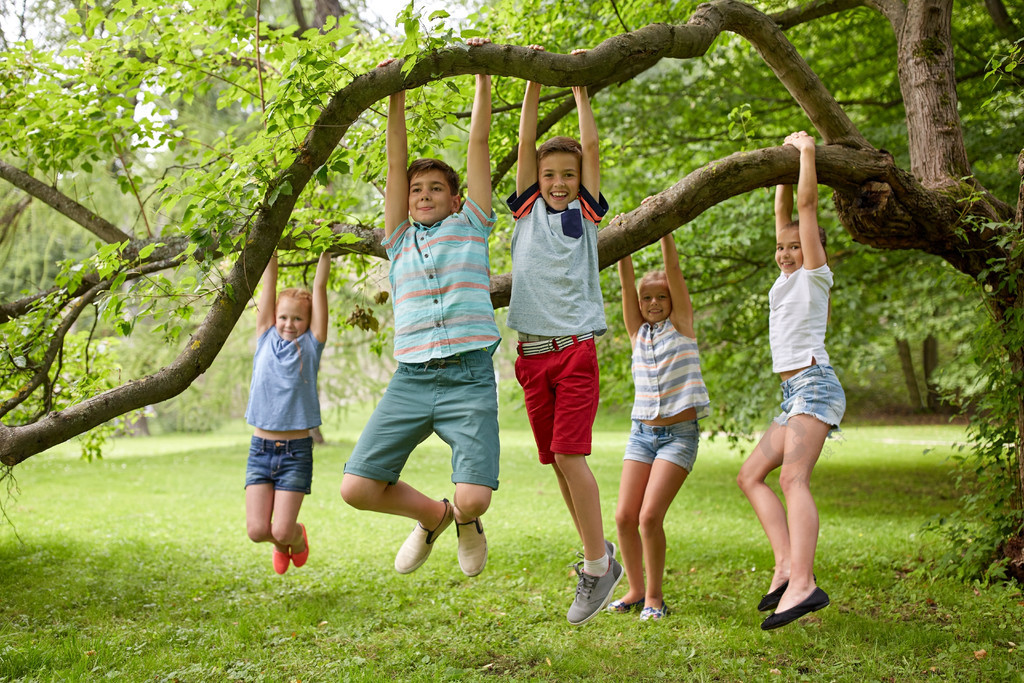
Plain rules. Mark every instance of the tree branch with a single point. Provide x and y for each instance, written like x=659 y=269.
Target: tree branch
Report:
x=105 y=230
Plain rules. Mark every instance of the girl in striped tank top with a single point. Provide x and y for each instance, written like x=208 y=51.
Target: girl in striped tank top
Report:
x=670 y=398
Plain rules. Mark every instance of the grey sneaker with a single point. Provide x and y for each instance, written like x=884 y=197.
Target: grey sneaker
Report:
x=472 y=547
x=610 y=549
x=416 y=549
x=593 y=593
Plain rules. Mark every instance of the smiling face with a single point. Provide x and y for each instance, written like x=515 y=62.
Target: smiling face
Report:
x=430 y=197
x=655 y=300
x=292 y=317
x=788 y=254
x=559 y=177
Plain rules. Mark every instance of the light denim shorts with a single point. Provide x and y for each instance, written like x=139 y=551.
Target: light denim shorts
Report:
x=288 y=465
x=817 y=392
x=675 y=443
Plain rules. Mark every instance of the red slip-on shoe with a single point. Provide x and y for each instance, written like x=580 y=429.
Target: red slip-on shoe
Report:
x=281 y=561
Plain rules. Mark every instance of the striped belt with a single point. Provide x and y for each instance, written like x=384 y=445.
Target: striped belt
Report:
x=535 y=348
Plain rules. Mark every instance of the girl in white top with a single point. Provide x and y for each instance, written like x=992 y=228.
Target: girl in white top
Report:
x=813 y=400
x=662 y=448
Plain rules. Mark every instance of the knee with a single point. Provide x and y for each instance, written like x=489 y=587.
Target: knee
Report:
x=792 y=482
x=282 y=533
x=472 y=501
x=627 y=520
x=258 y=531
x=651 y=522
x=747 y=481
x=354 y=492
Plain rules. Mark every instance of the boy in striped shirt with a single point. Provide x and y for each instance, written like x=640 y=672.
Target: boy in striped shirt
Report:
x=444 y=337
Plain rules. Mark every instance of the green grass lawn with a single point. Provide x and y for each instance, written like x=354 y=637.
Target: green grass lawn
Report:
x=137 y=567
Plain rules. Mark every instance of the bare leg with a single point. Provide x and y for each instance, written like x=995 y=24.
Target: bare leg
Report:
x=805 y=435
x=563 y=486
x=470 y=501
x=259 y=510
x=392 y=499
x=632 y=486
x=666 y=480
x=585 y=501
x=284 y=528
x=767 y=456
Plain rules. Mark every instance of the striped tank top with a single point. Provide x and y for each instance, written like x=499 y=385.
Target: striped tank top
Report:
x=666 y=373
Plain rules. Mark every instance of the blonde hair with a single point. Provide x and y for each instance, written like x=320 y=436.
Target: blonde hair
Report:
x=298 y=294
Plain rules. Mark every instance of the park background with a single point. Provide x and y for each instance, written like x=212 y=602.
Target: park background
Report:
x=124 y=555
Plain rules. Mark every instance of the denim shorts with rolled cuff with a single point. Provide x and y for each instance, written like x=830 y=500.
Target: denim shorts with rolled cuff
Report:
x=674 y=443
x=454 y=397
x=287 y=464
x=815 y=391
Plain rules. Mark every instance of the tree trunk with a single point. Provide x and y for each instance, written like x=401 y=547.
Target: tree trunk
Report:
x=930 y=361
x=907 y=363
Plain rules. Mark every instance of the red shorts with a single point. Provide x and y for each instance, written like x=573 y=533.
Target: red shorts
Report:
x=562 y=391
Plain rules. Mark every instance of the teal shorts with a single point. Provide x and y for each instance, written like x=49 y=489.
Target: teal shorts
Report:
x=454 y=397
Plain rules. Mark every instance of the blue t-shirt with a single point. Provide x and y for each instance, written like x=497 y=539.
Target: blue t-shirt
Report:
x=282 y=395
x=556 y=289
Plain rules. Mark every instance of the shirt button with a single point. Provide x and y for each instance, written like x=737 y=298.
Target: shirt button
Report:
x=435 y=301
x=437 y=324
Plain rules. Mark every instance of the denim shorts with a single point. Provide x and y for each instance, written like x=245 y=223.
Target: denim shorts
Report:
x=675 y=443
x=454 y=397
x=815 y=391
x=288 y=465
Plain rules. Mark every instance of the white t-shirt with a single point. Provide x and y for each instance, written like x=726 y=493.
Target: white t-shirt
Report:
x=798 y=318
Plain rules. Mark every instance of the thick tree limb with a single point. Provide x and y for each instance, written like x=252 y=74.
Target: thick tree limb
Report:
x=813 y=10
x=105 y=230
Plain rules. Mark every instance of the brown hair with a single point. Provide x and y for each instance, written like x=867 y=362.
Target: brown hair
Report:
x=821 y=231
x=561 y=144
x=423 y=165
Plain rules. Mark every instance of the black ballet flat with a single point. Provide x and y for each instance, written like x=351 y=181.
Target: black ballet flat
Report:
x=814 y=602
x=770 y=601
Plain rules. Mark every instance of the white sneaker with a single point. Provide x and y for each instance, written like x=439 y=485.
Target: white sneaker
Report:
x=472 y=547
x=416 y=549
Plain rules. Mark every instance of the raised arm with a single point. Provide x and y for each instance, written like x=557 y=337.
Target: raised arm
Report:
x=807 y=201
x=478 y=156
x=682 y=308
x=266 y=308
x=783 y=206
x=591 y=171
x=396 y=188
x=631 y=315
x=526 y=165
x=318 y=317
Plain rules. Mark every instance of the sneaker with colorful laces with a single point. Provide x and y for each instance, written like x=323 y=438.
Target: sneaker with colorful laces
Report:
x=593 y=593
x=416 y=549
x=472 y=546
